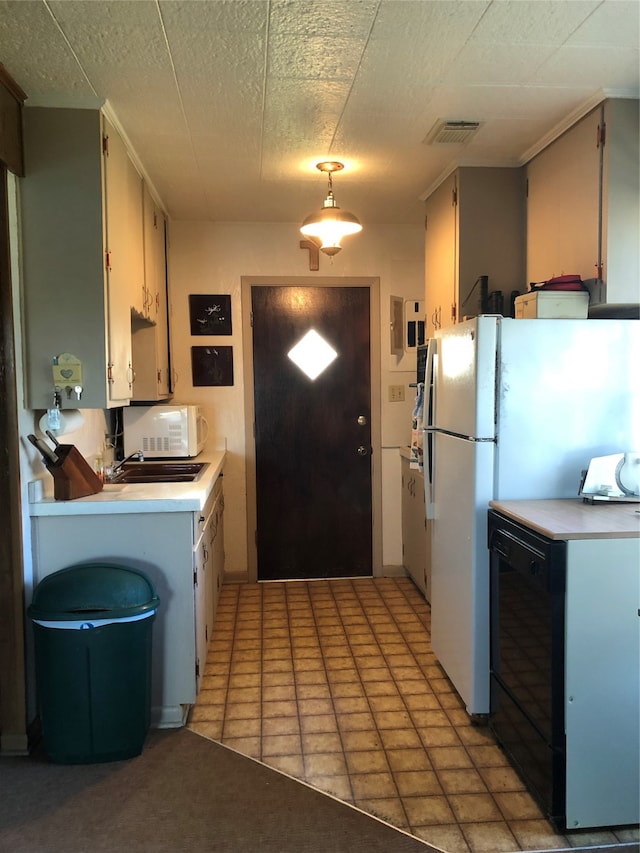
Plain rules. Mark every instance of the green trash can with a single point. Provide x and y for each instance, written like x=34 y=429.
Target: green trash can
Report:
x=93 y=627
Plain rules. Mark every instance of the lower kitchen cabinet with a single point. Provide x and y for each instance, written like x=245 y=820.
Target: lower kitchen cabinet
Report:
x=208 y=567
x=182 y=553
x=415 y=528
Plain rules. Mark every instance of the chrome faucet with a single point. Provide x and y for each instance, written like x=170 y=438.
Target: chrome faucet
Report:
x=138 y=454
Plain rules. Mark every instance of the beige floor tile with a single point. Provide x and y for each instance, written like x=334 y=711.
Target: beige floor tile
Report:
x=448 y=837
x=427 y=811
x=475 y=735
x=407 y=759
x=373 y=786
x=627 y=835
x=438 y=736
x=367 y=761
x=401 y=739
x=243 y=667
x=277 y=679
x=537 y=835
x=448 y=757
x=279 y=693
x=285 y=744
x=347 y=689
x=392 y=719
x=206 y=713
x=212 y=730
x=280 y=726
x=357 y=741
x=316 y=723
x=215 y=682
x=488 y=756
x=279 y=665
x=337 y=786
x=243 y=694
x=289 y=764
x=312 y=664
x=283 y=708
x=312 y=652
x=356 y=722
x=416 y=687
x=325 y=764
x=242 y=711
x=250 y=746
x=473 y=808
x=313 y=691
x=241 y=728
x=417 y=783
x=501 y=779
x=429 y=718
x=374 y=687
x=371 y=666
x=350 y=705
x=590 y=837
x=245 y=680
x=386 y=704
x=317 y=676
x=389 y=810
x=208 y=696
x=309 y=707
x=462 y=782
x=489 y=837
x=321 y=742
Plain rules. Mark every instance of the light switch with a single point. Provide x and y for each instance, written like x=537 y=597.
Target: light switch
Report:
x=396 y=393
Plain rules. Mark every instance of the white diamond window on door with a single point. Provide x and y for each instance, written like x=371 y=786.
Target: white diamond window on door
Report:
x=312 y=354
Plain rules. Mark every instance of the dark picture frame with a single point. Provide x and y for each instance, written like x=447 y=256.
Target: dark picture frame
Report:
x=210 y=314
x=212 y=365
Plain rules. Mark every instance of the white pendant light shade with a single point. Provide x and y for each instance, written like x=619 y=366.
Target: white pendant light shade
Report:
x=331 y=223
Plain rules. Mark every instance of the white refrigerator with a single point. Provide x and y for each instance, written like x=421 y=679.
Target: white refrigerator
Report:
x=518 y=409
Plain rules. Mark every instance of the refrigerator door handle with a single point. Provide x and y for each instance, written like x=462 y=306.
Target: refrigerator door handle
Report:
x=429 y=473
x=429 y=439
x=430 y=382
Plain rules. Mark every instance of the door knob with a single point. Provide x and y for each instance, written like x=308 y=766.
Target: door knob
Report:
x=363 y=451
x=362 y=420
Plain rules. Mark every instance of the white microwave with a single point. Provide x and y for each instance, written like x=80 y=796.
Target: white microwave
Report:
x=164 y=432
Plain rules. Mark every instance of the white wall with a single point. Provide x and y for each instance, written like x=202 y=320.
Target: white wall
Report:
x=212 y=258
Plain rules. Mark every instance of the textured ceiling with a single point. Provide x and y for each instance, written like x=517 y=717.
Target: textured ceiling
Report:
x=230 y=103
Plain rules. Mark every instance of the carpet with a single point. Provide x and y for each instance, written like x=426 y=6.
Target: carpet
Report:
x=183 y=793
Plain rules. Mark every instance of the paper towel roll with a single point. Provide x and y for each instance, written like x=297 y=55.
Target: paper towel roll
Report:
x=70 y=421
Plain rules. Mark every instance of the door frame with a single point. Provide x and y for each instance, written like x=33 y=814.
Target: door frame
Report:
x=373 y=285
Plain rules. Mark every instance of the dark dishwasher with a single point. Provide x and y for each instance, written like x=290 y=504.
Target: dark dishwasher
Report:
x=528 y=579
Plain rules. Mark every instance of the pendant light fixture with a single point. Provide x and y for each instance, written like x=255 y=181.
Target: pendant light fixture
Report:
x=331 y=223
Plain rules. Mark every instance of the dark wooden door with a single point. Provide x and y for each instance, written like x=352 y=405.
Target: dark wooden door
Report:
x=313 y=436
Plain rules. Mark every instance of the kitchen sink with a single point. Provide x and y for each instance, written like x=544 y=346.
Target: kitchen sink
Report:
x=160 y=472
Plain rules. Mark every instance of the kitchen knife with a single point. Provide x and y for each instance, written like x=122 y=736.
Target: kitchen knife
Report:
x=47 y=453
x=53 y=438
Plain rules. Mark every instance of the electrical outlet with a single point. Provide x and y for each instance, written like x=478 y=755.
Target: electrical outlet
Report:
x=396 y=393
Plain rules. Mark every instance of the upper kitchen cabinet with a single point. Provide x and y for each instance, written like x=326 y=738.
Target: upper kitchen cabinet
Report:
x=474 y=226
x=81 y=210
x=150 y=333
x=583 y=205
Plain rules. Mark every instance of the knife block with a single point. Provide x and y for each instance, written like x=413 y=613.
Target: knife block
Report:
x=72 y=475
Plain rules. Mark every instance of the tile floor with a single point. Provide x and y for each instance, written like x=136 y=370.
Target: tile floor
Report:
x=334 y=683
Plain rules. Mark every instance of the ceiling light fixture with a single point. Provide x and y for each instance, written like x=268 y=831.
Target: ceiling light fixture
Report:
x=331 y=223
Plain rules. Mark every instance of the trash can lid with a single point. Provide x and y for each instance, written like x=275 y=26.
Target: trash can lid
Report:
x=100 y=589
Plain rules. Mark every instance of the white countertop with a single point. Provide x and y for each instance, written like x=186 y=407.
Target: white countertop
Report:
x=572 y=518
x=118 y=498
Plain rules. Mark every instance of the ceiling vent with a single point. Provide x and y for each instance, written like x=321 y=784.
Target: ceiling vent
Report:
x=452 y=132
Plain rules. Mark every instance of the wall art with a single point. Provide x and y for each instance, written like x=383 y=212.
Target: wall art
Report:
x=212 y=365
x=210 y=314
